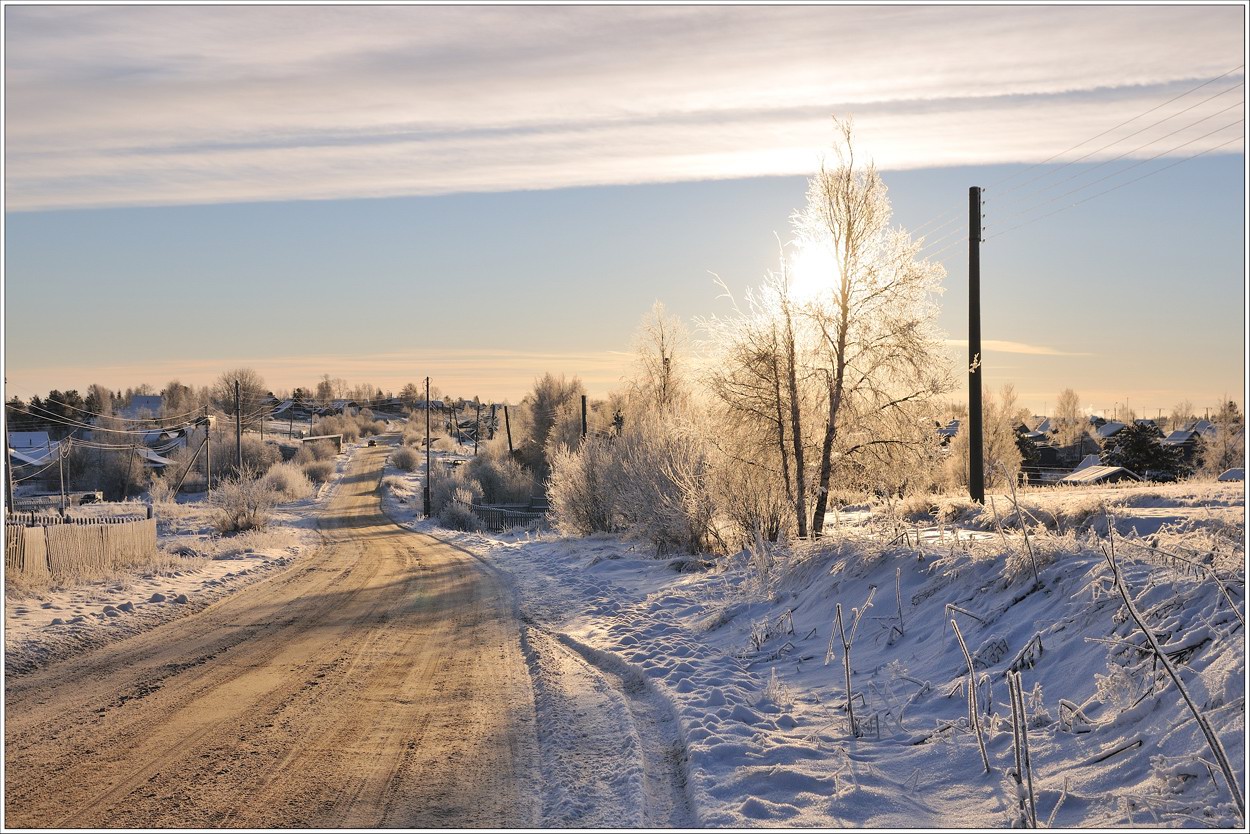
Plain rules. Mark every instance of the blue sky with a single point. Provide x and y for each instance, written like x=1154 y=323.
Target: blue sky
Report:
x=482 y=194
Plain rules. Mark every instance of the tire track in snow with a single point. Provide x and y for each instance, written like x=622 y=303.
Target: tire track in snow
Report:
x=612 y=752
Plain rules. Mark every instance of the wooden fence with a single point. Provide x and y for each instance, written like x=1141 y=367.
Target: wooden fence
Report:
x=38 y=547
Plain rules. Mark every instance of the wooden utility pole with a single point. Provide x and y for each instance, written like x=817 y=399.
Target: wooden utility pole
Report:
x=477 y=426
x=583 y=418
x=8 y=472
x=208 y=457
x=976 y=444
x=425 y=491
x=60 y=463
x=507 y=424
x=238 y=430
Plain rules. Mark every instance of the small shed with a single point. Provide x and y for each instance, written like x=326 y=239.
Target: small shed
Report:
x=1100 y=474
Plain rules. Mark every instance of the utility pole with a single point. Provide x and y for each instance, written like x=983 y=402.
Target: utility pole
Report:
x=208 y=455
x=507 y=424
x=584 y=417
x=61 y=451
x=490 y=434
x=976 y=451
x=238 y=431
x=425 y=491
x=8 y=471
x=477 y=427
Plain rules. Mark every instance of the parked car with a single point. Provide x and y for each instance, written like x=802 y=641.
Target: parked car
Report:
x=373 y=442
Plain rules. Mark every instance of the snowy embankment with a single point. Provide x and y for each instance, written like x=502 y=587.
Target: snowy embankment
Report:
x=740 y=653
x=195 y=567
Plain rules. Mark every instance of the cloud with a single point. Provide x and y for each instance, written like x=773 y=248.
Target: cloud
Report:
x=160 y=105
x=1000 y=346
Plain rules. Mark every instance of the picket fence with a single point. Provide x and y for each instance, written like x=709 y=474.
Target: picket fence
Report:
x=39 y=547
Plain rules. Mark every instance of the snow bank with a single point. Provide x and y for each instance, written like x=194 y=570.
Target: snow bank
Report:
x=740 y=651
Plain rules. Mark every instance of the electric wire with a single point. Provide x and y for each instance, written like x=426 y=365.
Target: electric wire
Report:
x=1120 y=185
x=1140 y=130
x=1088 y=171
x=1052 y=158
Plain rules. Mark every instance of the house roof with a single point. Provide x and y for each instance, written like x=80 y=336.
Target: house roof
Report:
x=1202 y=427
x=1094 y=474
x=1179 y=436
x=28 y=439
x=1237 y=473
x=1110 y=429
x=30 y=457
x=1045 y=426
x=1087 y=462
x=949 y=430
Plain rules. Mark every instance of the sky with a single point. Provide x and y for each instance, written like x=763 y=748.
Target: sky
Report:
x=485 y=193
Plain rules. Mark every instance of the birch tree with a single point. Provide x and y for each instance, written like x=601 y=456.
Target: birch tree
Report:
x=878 y=347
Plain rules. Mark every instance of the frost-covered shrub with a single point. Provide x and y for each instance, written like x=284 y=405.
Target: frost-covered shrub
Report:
x=664 y=485
x=242 y=503
x=503 y=480
x=751 y=500
x=445 y=444
x=405 y=458
x=289 y=481
x=457 y=515
x=584 y=487
x=447 y=483
x=917 y=507
x=317 y=450
x=258 y=455
x=319 y=471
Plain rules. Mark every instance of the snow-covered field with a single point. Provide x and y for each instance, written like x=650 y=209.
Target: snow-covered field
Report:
x=740 y=652
x=196 y=567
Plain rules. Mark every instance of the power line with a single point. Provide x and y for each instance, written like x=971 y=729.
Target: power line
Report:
x=1116 y=127
x=1054 y=171
x=1128 y=168
x=1128 y=182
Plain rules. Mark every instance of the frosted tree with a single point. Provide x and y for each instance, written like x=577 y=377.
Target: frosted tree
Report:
x=754 y=375
x=661 y=344
x=1068 y=419
x=878 y=348
x=252 y=392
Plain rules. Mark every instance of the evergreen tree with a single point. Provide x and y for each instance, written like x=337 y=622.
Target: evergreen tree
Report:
x=1136 y=447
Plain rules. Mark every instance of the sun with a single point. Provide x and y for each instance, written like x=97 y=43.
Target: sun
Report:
x=812 y=270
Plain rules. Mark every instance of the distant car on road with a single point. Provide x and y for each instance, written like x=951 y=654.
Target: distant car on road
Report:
x=90 y=498
x=373 y=442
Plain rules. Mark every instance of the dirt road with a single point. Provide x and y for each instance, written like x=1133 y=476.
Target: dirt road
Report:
x=379 y=683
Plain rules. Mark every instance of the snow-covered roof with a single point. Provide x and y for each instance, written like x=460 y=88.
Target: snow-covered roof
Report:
x=949 y=430
x=1179 y=436
x=1237 y=473
x=151 y=459
x=1109 y=429
x=1202 y=427
x=1094 y=474
x=28 y=439
x=31 y=457
x=1087 y=462
x=1045 y=426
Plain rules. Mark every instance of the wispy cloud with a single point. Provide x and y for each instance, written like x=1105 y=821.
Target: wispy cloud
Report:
x=1001 y=346
x=156 y=105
